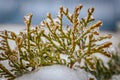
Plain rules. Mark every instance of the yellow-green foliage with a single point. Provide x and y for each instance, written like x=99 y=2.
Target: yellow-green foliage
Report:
x=103 y=72
x=44 y=44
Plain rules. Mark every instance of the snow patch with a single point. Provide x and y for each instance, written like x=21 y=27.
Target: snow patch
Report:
x=56 y=72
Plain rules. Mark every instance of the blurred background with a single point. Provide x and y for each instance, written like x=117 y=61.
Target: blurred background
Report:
x=12 y=11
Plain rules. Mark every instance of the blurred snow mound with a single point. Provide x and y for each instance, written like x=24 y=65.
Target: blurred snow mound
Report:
x=56 y=72
x=115 y=77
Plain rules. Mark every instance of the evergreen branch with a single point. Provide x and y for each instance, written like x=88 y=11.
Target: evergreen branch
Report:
x=44 y=44
x=6 y=73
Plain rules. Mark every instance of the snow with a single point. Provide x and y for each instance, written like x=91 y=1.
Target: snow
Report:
x=56 y=72
x=12 y=27
x=115 y=77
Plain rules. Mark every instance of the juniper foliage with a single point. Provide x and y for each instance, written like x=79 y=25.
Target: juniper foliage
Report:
x=44 y=44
